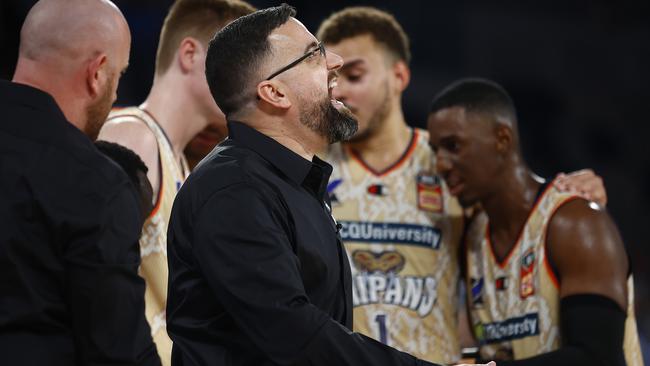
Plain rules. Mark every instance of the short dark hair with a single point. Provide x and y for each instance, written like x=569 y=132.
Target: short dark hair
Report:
x=199 y=19
x=128 y=160
x=476 y=95
x=236 y=52
x=360 y=20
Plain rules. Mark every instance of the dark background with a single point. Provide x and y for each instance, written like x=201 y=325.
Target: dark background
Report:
x=578 y=72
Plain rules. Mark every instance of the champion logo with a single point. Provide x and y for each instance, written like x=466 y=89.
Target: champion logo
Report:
x=501 y=283
x=377 y=189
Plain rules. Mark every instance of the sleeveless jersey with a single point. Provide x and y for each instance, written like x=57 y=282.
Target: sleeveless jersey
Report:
x=401 y=229
x=515 y=305
x=153 y=242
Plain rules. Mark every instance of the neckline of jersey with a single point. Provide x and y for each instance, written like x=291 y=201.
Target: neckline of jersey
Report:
x=403 y=158
x=544 y=189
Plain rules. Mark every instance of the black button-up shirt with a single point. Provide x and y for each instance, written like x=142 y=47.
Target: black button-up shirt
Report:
x=70 y=220
x=257 y=272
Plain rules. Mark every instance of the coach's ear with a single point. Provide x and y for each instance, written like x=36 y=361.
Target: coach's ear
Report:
x=272 y=92
x=97 y=75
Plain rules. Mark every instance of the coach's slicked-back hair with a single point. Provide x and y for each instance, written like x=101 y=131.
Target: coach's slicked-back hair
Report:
x=235 y=54
x=361 y=20
x=477 y=95
x=198 y=19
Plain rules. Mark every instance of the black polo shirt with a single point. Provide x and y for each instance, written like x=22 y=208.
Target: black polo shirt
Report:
x=69 y=254
x=257 y=271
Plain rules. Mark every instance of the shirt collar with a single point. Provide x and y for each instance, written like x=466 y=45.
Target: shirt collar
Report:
x=22 y=94
x=288 y=162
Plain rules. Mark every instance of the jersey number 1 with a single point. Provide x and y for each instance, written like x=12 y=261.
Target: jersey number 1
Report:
x=381 y=326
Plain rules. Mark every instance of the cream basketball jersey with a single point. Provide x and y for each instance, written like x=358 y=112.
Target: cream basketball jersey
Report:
x=401 y=229
x=514 y=304
x=153 y=242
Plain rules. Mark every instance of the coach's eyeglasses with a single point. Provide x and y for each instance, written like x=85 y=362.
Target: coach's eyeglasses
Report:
x=319 y=48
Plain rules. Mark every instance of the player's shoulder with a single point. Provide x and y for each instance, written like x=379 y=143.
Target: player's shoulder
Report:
x=572 y=211
x=421 y=150
x=126 y=120
x=580 y=226
x=128 y=127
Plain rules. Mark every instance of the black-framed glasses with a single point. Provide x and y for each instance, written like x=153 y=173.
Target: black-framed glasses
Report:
x=319 y=48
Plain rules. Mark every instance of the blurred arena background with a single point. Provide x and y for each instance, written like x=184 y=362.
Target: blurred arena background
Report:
x=579 y=73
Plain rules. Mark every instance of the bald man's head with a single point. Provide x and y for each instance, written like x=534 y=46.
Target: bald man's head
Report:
x=70 y=29
x=75 y=50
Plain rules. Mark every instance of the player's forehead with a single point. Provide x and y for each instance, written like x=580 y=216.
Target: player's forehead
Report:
x=446 y=122
x=357 y=48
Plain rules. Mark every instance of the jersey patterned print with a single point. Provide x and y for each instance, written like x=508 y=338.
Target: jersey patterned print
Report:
x=514 y=304
x=401 y=229
x=153 y=242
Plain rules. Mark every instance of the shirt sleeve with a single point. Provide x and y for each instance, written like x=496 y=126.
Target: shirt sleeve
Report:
x=242 y=248
x=105 y=293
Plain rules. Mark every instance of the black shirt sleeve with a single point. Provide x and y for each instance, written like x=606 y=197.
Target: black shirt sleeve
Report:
x=243 y=250
x=105 y=293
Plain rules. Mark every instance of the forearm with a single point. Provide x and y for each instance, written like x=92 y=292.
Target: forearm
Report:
x=592 y=333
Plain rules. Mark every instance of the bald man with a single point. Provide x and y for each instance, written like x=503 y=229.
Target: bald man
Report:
x=70 y=293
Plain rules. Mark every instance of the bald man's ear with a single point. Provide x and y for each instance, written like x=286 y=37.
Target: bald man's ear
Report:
x=97 y=75
x=188 y=54
x=402 y=75
x=272 y=92
x=504 y=139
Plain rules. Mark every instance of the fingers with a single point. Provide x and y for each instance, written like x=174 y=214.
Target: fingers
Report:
x=584 y=183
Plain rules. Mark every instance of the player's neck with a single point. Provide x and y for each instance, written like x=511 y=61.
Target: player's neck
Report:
x=175 y=111
x=387 y=144
x=510 y=204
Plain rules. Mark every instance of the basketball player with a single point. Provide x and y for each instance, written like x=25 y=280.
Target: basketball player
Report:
x=179 y=105
x=548 y=277
x=400 y=224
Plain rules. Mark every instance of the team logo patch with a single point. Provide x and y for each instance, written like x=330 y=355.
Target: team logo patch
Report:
x=378 y=281
x=527 y=275
x=388 y=261
x=477 y=292
x=429 y=191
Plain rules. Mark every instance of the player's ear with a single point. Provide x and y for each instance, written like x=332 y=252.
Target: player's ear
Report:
x=504 y=138
x=188 y=54
x=402 y=75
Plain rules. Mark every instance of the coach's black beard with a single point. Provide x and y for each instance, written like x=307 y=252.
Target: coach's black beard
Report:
x=333 y=124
